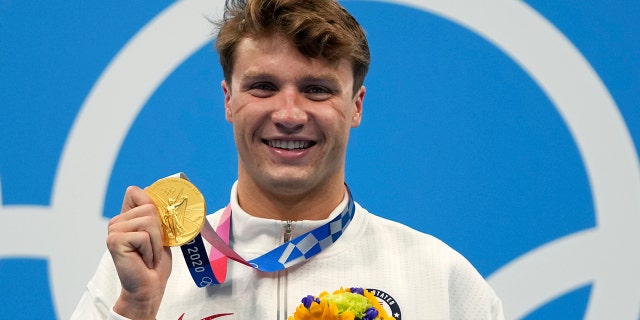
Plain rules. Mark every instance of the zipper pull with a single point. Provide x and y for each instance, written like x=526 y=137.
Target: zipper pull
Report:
x=287 y=230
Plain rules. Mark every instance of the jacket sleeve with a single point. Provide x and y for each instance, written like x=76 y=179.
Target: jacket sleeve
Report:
x=100 y=294
x=497 y=312
x=471 y=296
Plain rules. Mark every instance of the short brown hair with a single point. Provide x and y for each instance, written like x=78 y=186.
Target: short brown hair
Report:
x=318 y=28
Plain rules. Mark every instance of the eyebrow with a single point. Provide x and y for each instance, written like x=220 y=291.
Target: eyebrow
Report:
x=255 y=76
x=322 y=79
x=266 y=76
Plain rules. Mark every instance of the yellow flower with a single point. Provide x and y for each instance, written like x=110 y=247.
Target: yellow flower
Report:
x=347 y=315
x=343 y=304
x=382 y=314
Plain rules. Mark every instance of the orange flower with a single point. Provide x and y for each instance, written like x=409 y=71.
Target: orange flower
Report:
x=347 y=315
x=301 y=313
x=353 y=302
x=382 y=314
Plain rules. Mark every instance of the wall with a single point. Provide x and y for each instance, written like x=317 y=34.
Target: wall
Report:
x=508 y=129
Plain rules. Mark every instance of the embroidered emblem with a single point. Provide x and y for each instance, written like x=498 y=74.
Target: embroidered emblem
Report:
x=387 y=302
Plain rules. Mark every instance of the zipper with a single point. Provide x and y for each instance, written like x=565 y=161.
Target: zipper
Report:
x=288 y=226
x=282 y=312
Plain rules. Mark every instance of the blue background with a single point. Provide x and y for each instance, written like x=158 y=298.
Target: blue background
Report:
x=456 y=140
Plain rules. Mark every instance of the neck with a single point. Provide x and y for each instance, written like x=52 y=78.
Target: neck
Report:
x=314 y=204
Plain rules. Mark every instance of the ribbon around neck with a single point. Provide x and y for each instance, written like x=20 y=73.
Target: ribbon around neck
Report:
x=211 y=269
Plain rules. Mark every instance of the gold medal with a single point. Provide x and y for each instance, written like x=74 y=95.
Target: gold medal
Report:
x=181 y=209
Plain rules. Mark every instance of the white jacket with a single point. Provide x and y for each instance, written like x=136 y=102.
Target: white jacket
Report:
x=416 y=276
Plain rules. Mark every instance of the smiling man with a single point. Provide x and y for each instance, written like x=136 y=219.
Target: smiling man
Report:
x=291 y=116
x=293 y=87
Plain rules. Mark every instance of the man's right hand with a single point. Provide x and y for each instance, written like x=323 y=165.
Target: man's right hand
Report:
x=143 y=264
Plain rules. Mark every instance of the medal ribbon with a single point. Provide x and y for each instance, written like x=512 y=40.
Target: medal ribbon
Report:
x=299 y=249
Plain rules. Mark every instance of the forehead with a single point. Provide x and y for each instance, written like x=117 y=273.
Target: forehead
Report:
x=278 y=54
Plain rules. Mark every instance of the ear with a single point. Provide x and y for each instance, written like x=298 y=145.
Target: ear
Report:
x=226 y=89
x=357 y=104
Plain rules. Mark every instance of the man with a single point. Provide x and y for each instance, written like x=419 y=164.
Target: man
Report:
x=293 y=87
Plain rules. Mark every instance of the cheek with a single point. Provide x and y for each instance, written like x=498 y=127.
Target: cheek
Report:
x=334 y=124
x=240 y=126
x=246 y=125
x=335 y=115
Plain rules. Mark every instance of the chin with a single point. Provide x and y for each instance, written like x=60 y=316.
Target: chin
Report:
x=289 y=184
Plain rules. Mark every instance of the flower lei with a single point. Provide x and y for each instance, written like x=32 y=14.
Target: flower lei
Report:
x=343 y=304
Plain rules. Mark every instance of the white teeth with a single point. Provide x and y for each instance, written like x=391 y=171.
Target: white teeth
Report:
x=289 y=144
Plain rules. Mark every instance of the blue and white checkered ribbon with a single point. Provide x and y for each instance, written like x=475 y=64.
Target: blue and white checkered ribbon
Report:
x=292 y=252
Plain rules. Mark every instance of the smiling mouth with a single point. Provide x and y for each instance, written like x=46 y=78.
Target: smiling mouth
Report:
x=290 y=144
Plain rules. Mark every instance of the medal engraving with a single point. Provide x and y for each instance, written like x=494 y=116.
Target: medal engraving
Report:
x=181 y=209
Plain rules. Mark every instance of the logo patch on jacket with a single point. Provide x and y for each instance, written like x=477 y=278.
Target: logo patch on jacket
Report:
x=388 y=303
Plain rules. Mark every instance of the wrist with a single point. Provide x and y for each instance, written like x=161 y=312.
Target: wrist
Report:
x=136 y=308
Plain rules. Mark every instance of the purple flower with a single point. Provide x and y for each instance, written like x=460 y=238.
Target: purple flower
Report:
x=370 y=314
x=306 y=301
x=359 y=291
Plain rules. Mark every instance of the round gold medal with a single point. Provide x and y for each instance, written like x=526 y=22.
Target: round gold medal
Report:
x=181 y=209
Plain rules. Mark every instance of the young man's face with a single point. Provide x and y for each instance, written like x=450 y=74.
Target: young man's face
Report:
x=291 y=115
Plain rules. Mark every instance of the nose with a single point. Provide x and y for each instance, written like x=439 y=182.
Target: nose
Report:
x=289 y=114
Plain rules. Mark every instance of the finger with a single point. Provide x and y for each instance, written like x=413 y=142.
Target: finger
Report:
x=148 y=223
x=145 y=210
x=122 y=244
x=141 y=243
x=138 y=222
x=134 y=197
x=149 y=256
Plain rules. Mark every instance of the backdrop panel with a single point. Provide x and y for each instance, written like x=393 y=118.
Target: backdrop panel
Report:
x=508 y=129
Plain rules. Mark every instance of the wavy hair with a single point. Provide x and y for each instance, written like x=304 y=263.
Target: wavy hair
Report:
x=318 y=28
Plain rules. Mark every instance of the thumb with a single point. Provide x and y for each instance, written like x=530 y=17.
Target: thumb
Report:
x=135 y=197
